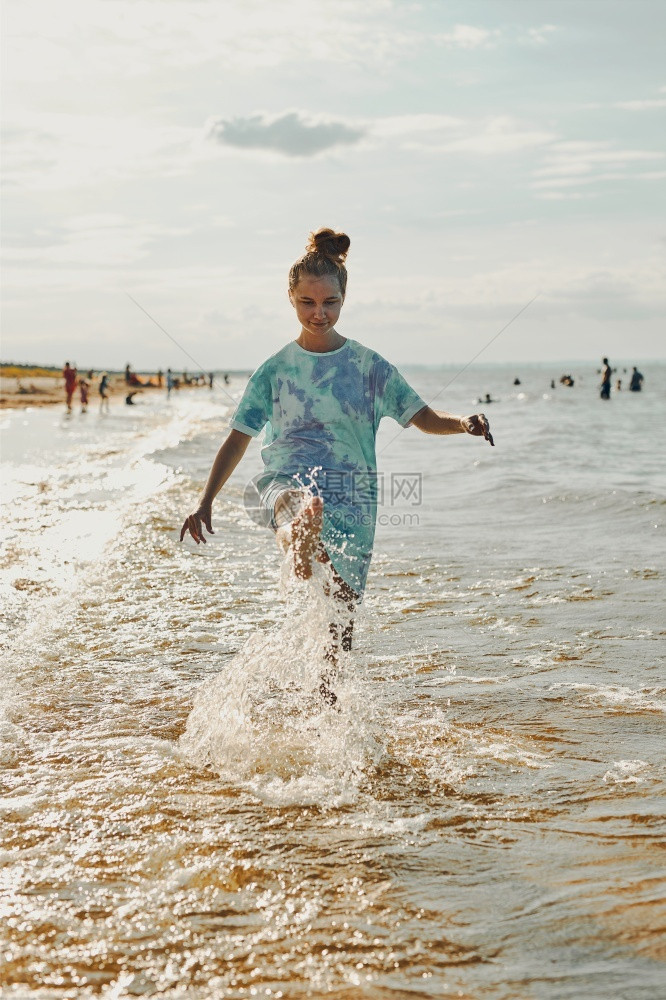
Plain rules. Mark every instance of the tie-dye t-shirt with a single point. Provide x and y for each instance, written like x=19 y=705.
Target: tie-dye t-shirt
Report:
x=322 y=412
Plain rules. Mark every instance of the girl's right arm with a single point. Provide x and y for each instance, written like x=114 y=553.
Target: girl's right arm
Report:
x=225 y=462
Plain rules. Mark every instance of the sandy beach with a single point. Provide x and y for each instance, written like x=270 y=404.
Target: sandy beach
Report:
x=49 y=390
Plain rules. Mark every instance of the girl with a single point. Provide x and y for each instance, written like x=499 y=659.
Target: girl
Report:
x=322 y=398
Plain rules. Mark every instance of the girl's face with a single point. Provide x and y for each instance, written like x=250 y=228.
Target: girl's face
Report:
x=317 y=302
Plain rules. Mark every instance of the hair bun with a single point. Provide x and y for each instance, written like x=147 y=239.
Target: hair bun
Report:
x=330 y=244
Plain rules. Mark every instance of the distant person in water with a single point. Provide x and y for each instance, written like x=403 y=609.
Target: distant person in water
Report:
x=83 y=391
x=636 y=383
x=618 y=385
x=516 y=381
x=169 y=382
x=70 y=376
x=211 y=379
x=567 y=380
x=606 y=375
x=323 y=396
x=103 y=390
x=487 y=399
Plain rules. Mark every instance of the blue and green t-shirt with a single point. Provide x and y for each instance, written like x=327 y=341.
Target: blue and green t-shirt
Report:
x=321 y=413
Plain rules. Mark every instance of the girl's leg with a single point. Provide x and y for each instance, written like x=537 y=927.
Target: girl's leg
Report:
x=299 y=519
x=341 y=631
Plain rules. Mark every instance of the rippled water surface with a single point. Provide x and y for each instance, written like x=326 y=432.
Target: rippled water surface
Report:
x=483 y=818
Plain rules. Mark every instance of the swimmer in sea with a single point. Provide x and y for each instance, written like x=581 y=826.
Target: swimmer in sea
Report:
x=322 y=396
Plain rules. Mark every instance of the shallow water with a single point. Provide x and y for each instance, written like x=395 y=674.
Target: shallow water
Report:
x=482 y=818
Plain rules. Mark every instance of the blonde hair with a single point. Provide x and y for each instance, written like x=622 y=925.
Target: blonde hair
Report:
x=325 y=254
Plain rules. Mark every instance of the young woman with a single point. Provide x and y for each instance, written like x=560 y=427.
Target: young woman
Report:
x=322 y=397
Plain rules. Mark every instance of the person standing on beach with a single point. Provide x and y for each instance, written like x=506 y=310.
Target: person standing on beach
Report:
x=322 y=397
x=636 y=384
x=606 y=375
x=70 y=376
x=83 y=390
x=104 y=392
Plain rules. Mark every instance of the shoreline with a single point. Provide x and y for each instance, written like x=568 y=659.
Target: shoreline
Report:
x=47 y=390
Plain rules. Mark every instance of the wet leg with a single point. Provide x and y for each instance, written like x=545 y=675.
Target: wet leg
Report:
x=341 y=631
x=305 y=533
x=299 y=519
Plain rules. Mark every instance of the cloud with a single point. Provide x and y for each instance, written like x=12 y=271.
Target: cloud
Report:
x=641 y=105
x=123 y=40
x=581 y=164
x=470 y=37
x=466 y=36
x=539 y=36
x=432 y=133
x=294 y=133
x=97 y=240
x=291 y=133
x=61 y=150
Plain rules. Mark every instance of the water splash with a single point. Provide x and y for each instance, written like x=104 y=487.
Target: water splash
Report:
x=262 y=720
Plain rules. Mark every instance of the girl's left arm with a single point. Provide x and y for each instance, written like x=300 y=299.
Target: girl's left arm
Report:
x=437 y=422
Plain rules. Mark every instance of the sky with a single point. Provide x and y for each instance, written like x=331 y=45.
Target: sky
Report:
x=478 y=153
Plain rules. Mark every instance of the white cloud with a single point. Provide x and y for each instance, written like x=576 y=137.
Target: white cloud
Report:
x=470 y=37
x=581 y=163
x=641 y=105
x=466 y=36
x=539 y=36
x=121 y=39
x=489 y=289
x=292 y=133
x=68 y=150
x=101 y=239
x=295 y=133
x=444 y=134
x=564 y=196
x=395 y=126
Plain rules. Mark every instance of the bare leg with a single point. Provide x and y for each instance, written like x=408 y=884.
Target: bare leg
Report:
x=302 y=533
x=305 y=532
x=341 y=631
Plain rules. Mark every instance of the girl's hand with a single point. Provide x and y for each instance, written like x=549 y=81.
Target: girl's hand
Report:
x=478 y=425
x=193 y=525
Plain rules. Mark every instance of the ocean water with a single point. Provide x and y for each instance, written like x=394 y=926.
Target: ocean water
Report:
x=482 y=818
